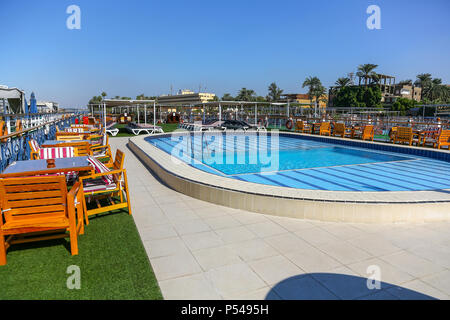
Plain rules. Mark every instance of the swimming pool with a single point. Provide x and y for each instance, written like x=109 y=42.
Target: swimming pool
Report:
x=296 y=162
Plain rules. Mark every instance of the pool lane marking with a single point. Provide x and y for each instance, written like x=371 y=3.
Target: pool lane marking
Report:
x=377 y=174
x=405 y=169
x=328 y=181
x=354 y=181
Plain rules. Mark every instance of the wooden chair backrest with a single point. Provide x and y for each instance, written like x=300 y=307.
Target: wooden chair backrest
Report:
x=299 y=125
x=82 y=148
x=3 y=129
x=368 y=130
x=19 y=126
x=68 y=137
x=34 y=198
x=119 y=160
x=325 y=126
x=403 y=133
x=444 y=137
x=339 y=128
x=57 y=152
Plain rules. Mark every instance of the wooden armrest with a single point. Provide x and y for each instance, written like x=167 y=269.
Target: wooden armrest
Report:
x=100 y=147
x=98 y=175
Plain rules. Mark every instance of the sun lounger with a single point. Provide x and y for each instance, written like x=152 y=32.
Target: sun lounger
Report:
x=110 y=129
x=137 y=128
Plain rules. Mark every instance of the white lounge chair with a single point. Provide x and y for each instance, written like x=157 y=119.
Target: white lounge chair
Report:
x=111 y=130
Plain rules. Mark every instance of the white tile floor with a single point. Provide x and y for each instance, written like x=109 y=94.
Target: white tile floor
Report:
x=200 y=250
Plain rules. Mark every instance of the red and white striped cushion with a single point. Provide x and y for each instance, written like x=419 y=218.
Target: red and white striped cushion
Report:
x=56 y=153
x=94 y=185
x=101 y=168
x=34 y=145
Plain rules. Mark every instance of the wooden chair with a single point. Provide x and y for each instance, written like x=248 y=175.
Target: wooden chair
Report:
x=118 y=161
x=392 y=133
x=105 y=185
x=443 y=139
x=39 y=208
x=34 y=149
x=102 y=151
x=404 y=135
x=19 y=125
x=300 y=126
x=66 y=136
x=3 y=130
x=340 y=130
x=325 y=129
x=82 y=148
x=366 y=133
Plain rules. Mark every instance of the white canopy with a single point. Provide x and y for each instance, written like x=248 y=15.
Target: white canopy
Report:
x=13 y=93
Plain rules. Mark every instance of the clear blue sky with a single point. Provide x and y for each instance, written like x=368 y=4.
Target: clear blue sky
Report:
x=131 y=47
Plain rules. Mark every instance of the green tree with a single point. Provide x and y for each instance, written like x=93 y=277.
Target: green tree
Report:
x=95 y=100
x=408 y=82
x=104 y=94
x=343 y=82
x=315 y=89
x=227 y=97
x=371 y=96
x=403 y=105
x=274 y=92
x=246 y=95
x=423 y=80
x=366 y=72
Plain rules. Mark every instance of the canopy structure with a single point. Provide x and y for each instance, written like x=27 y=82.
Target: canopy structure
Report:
x=15 y=98
x=131 y=103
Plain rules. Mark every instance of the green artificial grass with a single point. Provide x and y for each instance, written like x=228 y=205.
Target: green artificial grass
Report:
x=112 y=261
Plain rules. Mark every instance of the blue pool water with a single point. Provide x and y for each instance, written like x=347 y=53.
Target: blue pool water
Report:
x=298 y=163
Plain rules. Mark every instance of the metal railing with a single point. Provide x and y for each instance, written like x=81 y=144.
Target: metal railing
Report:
x=15 y=147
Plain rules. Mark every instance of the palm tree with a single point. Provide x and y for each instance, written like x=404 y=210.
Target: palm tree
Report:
x=423 y=80
x=227 y=97
x=366 y=71
x=246 y=95
x=343 y=82
x=406 y=82
x=274 y=92
x=316 y=90
x=103 y=95
x=435 y=90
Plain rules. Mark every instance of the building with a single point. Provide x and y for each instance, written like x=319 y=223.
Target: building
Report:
x=390 y=91
x=305 y=100
x=186 y=97
x=46 y=106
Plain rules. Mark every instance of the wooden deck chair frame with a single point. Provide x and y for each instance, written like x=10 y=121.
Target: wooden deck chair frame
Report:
x=34 y=154
x=103 y=149
x=68 y=137
x=82 y=148
x=367 y=133
x=301 y=127
x=443 y=139
x=27 y=217
x=325 y=129
x=121 y=190
x=403 y=135
x=339 y=130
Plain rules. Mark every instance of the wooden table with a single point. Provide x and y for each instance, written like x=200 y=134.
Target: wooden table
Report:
x=39 y=167
x=354 y=130
x=315 y=127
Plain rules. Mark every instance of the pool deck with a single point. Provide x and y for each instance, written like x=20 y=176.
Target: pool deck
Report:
x=200 y=250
